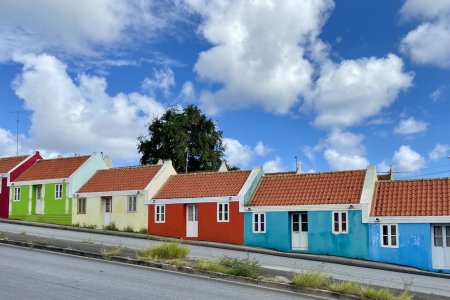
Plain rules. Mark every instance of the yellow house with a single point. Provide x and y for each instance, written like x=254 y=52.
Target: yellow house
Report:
x=116 y=197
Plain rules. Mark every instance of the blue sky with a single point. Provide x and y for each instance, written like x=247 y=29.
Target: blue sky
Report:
x=340 y=85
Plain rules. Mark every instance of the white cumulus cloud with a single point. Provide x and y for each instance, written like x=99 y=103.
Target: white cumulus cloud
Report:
x=163 y=79
x=239 y=154
x=407 y=160
x=79 y=116
x=410 y=126
x=274 y=165
x=439 y=151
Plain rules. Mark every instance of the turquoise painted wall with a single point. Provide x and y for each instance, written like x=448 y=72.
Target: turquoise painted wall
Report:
x=277 y=236
x=79 y=178
x=322 y=240
x=414 y=246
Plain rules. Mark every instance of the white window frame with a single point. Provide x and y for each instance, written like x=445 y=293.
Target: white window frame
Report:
x=160 y=213
x=79 y=200
x=132 y=198
x=259 y=226
x=223 y=212
x=389 y=236
x=58 y=191
x=340 y=222
x=16 y=193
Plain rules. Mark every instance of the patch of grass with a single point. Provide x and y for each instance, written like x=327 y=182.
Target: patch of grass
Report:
x=346 y=288
x=208 y=265
x=278 y=279
x=76 y=224
x=115 y=251
x=4 y=236
x=178 y=262
x=314 y=279
x=23 y=232
x=143 y=230
x=128 y=229
x=241 y=267
x=89 y=226
x=165 y=251
x=111 y=227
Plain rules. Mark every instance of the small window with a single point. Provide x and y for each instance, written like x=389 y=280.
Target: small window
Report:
x=160 y=213
x=131 y=203
x=16 y=194
x=223 y=212
x=58 y=191
x=438 y=238
x=340 y=222
x=81 y=206
x=389 y=236
x=259 y=222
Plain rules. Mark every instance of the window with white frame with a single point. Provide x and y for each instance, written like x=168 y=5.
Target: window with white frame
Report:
x=16 y=194
x=389 y=235
x=340 y=222
x=58 y=191
x=223 y=212
x=81 y=208
x=160 y=213
x=259 y=222
x=131 y=203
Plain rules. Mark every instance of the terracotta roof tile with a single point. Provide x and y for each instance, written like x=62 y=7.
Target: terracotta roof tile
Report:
x=422 y=197
x=196 y=185
x=53 y=168
x=8 y=163
x=120 y=179
x=310 y=189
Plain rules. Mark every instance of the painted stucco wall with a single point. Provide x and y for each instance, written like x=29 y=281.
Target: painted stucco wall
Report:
x=277 y=236
x=322 y=240
x=414 y=246
x=95 y=213
x=4 y=198
x=253 y=186
x=79 y=177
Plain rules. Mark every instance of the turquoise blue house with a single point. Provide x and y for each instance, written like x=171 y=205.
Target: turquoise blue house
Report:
x=410 y=223
x=319 y=213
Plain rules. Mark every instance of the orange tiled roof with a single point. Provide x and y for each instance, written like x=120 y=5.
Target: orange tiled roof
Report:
x=422 y=197
x=53 y=168
x=196 y=185
x=120 y=179
x=8 y=163
x=310 y=189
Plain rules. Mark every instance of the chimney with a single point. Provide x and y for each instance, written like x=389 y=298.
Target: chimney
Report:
x=299 y=169
x=391 y=173
x=108 y=161
x=160 y=162
x=223 y=166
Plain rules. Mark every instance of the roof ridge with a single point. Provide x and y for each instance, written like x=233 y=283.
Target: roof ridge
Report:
x=209 y=172
x=315 y=173
x=413 y=180
x=132 y=167
x=61 y=158
x=16 y=156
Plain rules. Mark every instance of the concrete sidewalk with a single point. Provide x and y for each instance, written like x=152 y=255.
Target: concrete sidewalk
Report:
x=312 y=257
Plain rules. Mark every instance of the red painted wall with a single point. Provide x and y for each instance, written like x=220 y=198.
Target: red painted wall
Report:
x=208 y=227
x=4 y=193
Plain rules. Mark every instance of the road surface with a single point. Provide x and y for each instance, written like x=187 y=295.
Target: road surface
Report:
x=418 y=283
x=34 y=274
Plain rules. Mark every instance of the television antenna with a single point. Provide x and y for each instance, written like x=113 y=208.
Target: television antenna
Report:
x=17 y=112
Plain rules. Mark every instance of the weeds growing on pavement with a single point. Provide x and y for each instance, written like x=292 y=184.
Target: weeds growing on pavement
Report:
x=232 y=266
x=143 y=230
x=165 y=251
x=115 y=251
x=111 y=227
x=128 y=229
x=313 y=279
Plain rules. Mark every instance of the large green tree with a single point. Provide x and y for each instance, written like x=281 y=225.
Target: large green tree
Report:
x=178 y=131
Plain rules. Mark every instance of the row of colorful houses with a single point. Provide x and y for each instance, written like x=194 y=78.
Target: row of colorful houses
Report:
x=356 y=213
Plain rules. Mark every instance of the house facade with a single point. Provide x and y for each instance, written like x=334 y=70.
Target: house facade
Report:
x=319 y=213
x=117 y=196
x=204 y=206
x=410 y=223
x=10 y=169
x=44 y=192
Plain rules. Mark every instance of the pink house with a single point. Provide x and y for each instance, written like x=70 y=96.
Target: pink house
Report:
x=10 y=169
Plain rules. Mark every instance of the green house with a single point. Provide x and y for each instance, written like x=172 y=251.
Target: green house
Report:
x=44 y=192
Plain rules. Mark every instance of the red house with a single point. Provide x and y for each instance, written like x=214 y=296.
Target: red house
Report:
x=10 y=169
x=203 y=206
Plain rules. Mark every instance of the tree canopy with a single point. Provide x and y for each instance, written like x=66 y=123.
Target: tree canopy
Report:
x=176 y=131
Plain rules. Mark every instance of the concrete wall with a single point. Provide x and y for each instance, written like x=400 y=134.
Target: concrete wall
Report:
x=321 y=240
x=414 y=246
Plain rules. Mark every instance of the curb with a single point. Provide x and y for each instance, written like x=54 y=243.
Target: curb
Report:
x=314 y=257
x=183 y=270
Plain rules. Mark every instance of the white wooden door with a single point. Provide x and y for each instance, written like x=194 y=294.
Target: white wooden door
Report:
x=38 y=200
x=299 y=231
x=108 y=210
x=441 y=246
x=192 y=220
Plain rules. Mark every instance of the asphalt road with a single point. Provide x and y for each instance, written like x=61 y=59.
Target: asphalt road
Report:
x=37 y=274
x=418 y=283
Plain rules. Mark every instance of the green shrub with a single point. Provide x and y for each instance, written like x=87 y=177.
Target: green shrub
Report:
x=178 y=262
x=241 y=267
x=165 y=251
x=111 y=227
x=143 y=230
x=208 y=265
x=311 y=279
x=111 y=252
x=128 y=229
x=346 y=288
x=377 y=294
